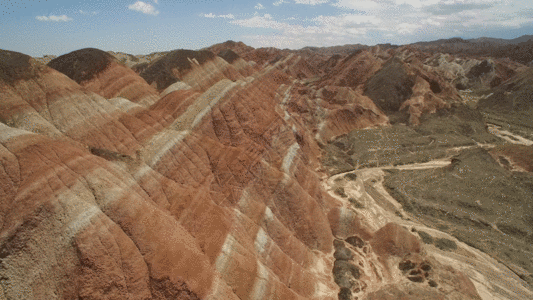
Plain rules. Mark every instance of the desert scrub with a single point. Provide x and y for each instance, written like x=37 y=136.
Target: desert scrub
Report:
x=445 y=244
x=340 y=191
x=351 y=176
x=355 y=203
x=426 y=238
x=399 y=196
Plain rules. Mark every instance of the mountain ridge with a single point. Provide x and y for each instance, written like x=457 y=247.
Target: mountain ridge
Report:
x=240 y=173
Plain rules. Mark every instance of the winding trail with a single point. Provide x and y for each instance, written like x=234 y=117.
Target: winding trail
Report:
x=492 y=279
x=508 y=136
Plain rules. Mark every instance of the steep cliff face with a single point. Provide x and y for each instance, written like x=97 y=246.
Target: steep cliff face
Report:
x=208 y=192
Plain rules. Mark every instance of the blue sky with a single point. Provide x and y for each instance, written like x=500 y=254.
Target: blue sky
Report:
x=43 y=27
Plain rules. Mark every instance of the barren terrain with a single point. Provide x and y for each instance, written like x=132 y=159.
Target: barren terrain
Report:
x=350 y=172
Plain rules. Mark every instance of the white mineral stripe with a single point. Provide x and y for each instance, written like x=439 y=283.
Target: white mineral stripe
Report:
x=289 y=157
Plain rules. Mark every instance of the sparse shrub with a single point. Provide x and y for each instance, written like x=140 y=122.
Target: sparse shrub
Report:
x=511 y=230
x=356 y=203
x=445 y=244
x=426 y=238
x=399 y=196
x=351 y=176
x=340 y=191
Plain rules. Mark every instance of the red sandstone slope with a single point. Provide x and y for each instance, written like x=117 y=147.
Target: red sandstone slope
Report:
x=244 y=67
x=101 y=73
x=355 y=69
x=198 y=69
x=239 y=48
x=209 y=193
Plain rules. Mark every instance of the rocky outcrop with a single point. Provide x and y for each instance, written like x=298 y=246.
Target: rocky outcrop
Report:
x=355 y=69
x=391 y=86
x=512 y=100
x=514 y=157
x=471 y=73
x=395 y=79
x=514 y=96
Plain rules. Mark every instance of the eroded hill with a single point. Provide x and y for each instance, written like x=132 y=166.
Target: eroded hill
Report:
x=207 y=175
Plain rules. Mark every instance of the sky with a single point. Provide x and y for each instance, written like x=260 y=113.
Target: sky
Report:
x=40 y=27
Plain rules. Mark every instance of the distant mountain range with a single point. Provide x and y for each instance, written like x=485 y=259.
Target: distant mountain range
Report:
x=519 y=49
x=481 y=40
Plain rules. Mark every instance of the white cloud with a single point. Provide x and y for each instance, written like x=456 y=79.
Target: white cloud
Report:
x=52 y=18
x=228 y=16
x=279 y=2
x=407 y=28
x=430 y=21
x=311 y=2
x=82 y=12
x=259 y=6
x=156 y=1
x=327 y=28
x=143 y=7
x=212 y=16
x=264 y=21
x=362 y=5
x=388 y=21
x=347 y=20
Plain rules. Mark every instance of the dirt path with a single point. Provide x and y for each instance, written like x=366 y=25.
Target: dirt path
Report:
x=508 y=136
x=492 y=279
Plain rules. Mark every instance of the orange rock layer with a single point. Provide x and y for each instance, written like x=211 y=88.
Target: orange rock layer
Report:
x=210 y=192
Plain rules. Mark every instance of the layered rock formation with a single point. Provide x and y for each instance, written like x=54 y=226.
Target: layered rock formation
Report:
x=471 y=73
x=209 y=190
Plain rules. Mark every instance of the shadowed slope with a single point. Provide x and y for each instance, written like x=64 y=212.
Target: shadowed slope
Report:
x=101 y=73
x=171 y=67
x=228 y=55
x=199 y=69
x=82 y=65
x=16 y=66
